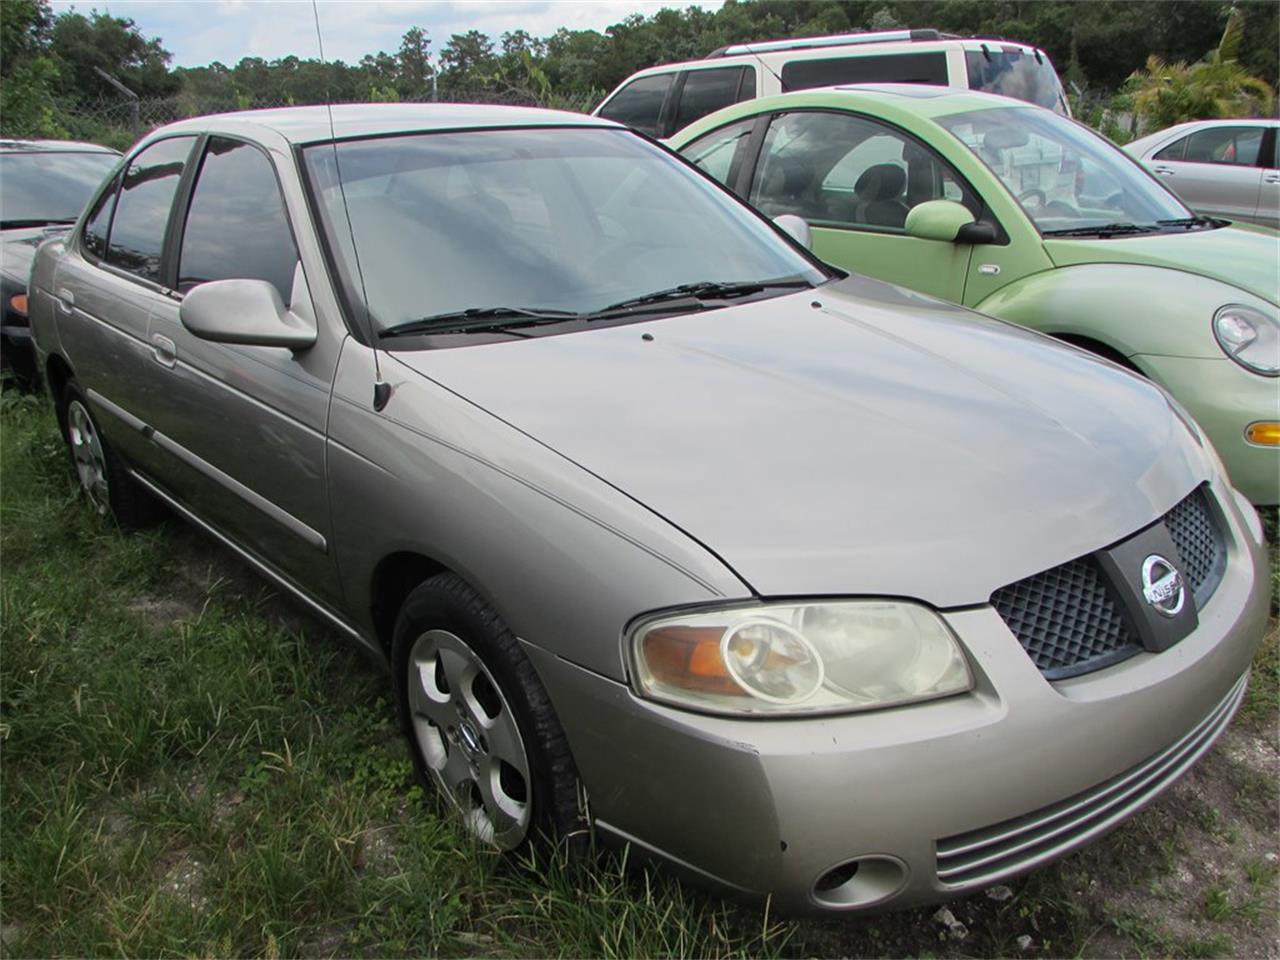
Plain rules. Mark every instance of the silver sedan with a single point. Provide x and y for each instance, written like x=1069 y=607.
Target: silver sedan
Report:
x=810 y=586
x=1220 y=168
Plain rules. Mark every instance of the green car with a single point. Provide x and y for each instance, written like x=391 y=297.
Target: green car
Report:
x=1025 y=215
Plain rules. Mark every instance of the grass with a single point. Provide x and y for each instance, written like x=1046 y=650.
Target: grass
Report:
x=189 y=765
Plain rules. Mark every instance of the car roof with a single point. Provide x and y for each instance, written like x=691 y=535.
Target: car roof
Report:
x=351 y=120
x=10 y=145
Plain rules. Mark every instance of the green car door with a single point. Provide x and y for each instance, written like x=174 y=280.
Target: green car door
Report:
x=853 y=179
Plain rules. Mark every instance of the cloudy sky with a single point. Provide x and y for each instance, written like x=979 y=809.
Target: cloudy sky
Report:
x=197 y=32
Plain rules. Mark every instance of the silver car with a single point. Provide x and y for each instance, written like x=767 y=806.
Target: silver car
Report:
x=1221 y=168
x=811 y=586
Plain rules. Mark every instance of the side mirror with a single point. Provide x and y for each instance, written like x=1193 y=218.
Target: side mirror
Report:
x=941 y=220
x=796 y=228
x=248 y=312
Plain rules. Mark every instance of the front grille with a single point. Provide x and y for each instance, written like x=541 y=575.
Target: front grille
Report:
x=1070 y=620
x=1067 y=619
x=1195 y=534
x=984 y=856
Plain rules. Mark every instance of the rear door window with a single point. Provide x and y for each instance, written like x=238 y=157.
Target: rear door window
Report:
x=142 y=208
x=99 y=222
x=1231 y=146
x=929 y=67
x=639 y=103
x=706 y=91
x=237 y=226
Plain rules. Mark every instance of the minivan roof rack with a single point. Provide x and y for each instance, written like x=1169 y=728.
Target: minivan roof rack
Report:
x=835 y=40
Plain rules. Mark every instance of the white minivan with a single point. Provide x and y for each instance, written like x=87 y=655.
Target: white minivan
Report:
x=661 y=100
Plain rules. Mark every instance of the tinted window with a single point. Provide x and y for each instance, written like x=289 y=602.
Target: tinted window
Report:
x=888 y=68
x=237 y=226
x=142 y=210
x=848 y=171
x=706 y=91
x=50 y=186
x=1233 y=146
x=99 y=222
x=748 y=89
x=1012 y=73
x=1173 y=151
x=639 y=103
x=715 y=152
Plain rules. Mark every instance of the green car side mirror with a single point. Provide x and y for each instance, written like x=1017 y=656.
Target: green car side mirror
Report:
x=948 y=221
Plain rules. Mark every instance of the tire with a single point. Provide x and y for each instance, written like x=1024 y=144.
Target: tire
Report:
x=104 y=480
x=480 y=727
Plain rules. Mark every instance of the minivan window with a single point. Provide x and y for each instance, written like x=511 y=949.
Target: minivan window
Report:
x=706 y=91
x=639 y=103
x=930 y=67
x=142 y=209
x=1012 y=73
x=237 y=226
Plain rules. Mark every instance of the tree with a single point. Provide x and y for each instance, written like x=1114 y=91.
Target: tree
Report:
x=413 y=63
x=113 y=44
x=1217 y=86
x=467 y=59
x=28 y=75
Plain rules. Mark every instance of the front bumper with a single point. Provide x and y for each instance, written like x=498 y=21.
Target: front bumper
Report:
x=942 y=797
x=1224 y=399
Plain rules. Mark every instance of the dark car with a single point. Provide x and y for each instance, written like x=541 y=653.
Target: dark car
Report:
x=46 y=185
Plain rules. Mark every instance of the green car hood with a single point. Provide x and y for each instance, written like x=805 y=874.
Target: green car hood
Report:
x=1248 y=259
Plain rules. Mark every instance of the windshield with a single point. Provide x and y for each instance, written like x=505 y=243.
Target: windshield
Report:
x=1012 y=73
x=40 y=188
x=573 y=220
x=1064 y=176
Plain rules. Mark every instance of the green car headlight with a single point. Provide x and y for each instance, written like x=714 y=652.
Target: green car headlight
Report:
x=1249 y=337
x=798 y=658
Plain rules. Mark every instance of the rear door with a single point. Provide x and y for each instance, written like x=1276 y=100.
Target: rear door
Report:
x=1215 y=170
x=246 y=424
x=106 y=289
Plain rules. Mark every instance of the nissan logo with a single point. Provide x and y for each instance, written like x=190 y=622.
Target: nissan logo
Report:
x=1162 y=585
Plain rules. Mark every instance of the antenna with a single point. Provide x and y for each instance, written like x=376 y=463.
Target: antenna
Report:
x=381 y=389
x=759 y=59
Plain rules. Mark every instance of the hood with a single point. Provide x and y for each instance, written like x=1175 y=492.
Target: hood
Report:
x=18 y=250
x=858 y=439
x=1245 y=257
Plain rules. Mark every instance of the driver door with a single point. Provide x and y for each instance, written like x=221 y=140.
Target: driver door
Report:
x=854 y=180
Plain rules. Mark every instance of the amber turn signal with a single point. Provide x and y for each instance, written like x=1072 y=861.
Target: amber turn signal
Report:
x=689 y=657
x=18 y=303
x=1265 y=433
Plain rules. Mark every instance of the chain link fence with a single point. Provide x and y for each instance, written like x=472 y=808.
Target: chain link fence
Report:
x=120 y=122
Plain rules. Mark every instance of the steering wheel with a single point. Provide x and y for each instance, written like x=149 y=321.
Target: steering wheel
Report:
x=1036 y=192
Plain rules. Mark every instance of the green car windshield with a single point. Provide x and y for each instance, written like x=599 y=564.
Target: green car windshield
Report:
x=1067 y=179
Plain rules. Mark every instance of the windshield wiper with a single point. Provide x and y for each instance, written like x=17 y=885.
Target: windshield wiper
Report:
x=35 y=222
x=1102 y=230
x=478 y=319
x=704 y=290
x=1189 y=222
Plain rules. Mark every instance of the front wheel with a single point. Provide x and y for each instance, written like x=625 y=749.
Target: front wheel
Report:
x=480 y=726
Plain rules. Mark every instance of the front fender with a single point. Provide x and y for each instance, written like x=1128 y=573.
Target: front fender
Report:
x=1134 y=310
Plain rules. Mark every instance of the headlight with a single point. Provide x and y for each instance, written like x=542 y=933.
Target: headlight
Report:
x=799 y=658
x=1249 y=337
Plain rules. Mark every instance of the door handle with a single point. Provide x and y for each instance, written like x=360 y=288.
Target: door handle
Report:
x=1163 y=171
x=66 y=300
x=1272 y=178
x=163 y=350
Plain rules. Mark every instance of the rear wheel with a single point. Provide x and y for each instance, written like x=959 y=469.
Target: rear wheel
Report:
x=103 y=478
x=479 y=724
